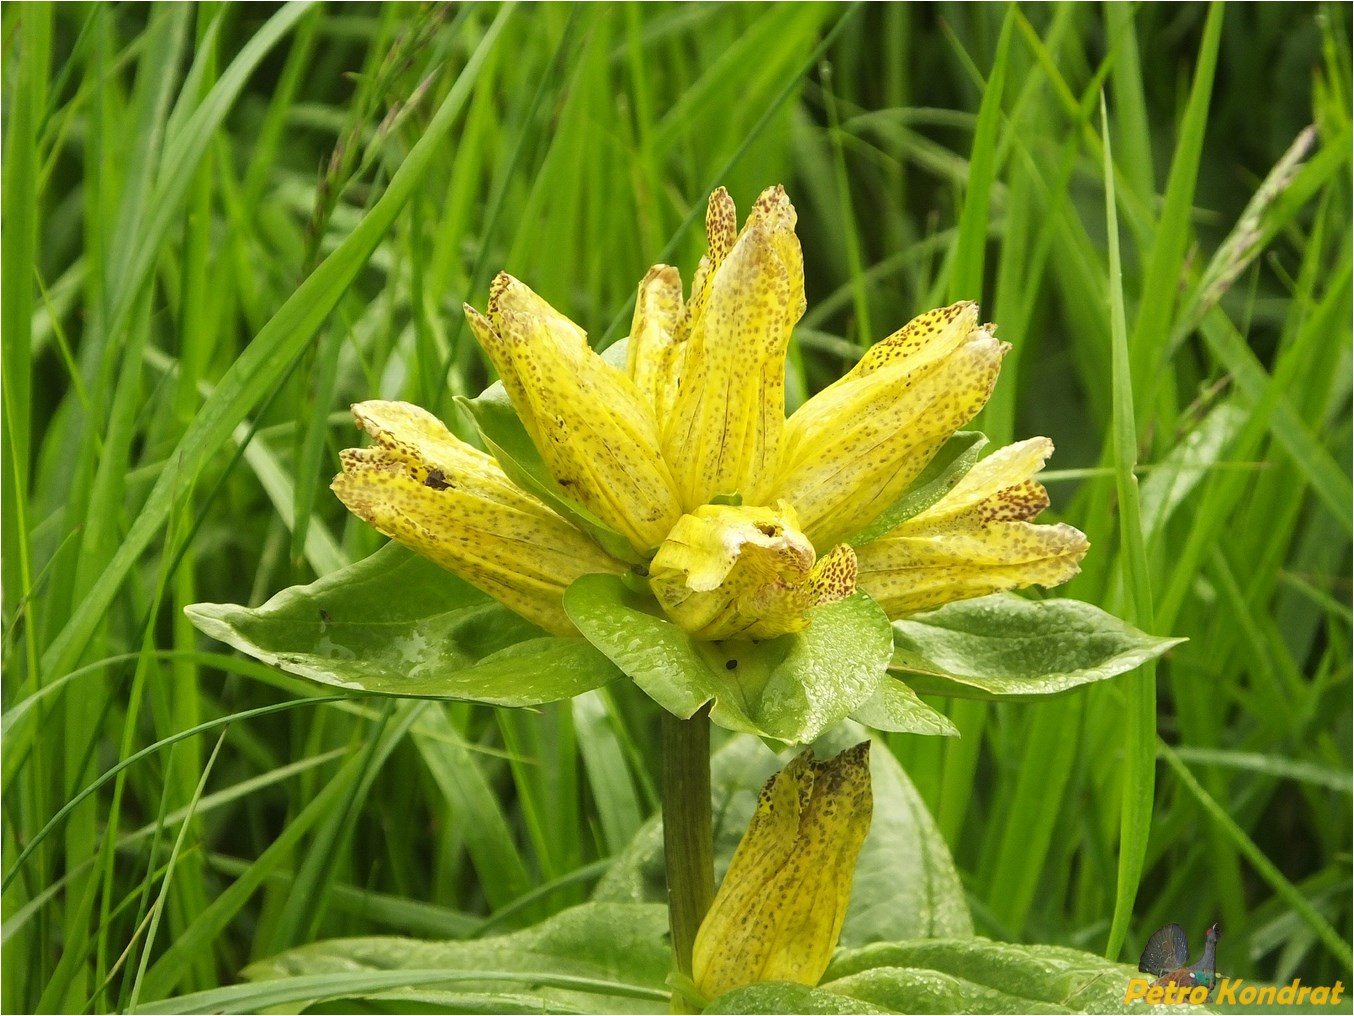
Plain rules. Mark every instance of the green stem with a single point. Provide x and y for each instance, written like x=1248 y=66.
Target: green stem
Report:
x=687 y=832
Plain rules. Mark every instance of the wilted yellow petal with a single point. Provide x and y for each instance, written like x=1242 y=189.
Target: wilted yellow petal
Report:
x=778 y=914
x=976 y=540
x=593 y=429
x=723 y=433
x=745 y=572
x=436 y=495
x=855 y=447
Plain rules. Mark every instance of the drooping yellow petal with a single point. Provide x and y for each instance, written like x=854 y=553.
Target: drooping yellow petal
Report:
x=778 y=913
x=436 y=495
x=723 y=432
x=588 y=420
x=976 y=540
x=745 y=572
x=854 y=448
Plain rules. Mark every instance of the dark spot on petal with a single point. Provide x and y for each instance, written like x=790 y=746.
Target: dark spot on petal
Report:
x=436 y=479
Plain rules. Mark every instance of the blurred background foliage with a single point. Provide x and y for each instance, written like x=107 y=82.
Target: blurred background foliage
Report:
x=224 y=223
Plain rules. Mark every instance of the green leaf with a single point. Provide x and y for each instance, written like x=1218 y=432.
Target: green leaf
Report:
x=397 y=624
x=790 y=688
x=906 y=884
x=598 y=957
x=976 y=975
x=496 y=418
x=894 y=706
x=1007 y=647
x=783 y=996
x=955 y=458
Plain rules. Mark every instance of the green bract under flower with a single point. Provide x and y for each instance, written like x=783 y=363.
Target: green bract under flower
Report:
x=743 y=521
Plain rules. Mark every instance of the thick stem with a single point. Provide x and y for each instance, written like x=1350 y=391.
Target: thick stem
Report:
x=687 y=831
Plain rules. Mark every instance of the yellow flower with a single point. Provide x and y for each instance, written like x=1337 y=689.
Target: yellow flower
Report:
x=742 y=516
x=779 y=911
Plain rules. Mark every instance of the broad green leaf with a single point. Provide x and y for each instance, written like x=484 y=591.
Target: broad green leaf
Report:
x=597 y=957
x=1007 y=647
x=955 y=458
x=906 y=886
x=782 y=996
x=976 y=975
x=790 y=688
x=496 y=418
x=894 y=706
x=397 y=624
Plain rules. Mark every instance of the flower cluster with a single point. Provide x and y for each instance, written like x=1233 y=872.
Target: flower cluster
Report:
x=745 y=520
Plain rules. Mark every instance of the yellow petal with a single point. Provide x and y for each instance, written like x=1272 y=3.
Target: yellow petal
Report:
x=587 y=419
x=436 y=495
x=976 y=540
x=834 y=576
x=773 y=211
x=723 y=433
x=928 y=337
x=855 y=447
x=1000 y=488
x=654 y=355
x=905 y=574
x=745 y=572
x=778 y=913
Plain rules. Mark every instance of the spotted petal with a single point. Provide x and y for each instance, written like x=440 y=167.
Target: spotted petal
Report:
x=855 y=447
x=596 y=434
x=779 y=911
x=438 y=496
x=654 y=353
x=723 y=432
x=976 y=540
x=744 y=572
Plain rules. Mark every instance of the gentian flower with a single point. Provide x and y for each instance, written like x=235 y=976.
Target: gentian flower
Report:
x=779 y=911
x=740 y=520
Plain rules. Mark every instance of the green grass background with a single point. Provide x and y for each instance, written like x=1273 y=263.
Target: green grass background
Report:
x=222 y=224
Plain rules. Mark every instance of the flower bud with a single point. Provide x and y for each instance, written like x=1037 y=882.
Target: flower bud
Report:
x=779 y=911
x=745 y=572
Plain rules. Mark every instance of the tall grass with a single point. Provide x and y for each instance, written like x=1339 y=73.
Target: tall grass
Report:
x=222 y=226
